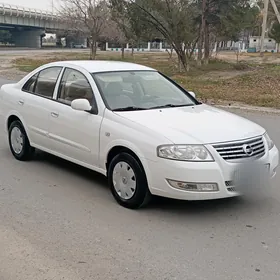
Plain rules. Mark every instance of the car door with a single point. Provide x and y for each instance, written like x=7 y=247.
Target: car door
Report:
x=35 y=104
x=75 y=134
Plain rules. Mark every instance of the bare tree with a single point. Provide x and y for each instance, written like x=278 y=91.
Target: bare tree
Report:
x=112 y=33
x=86 y=18
x=174 y=20
x=128 y=20
x=121 y=17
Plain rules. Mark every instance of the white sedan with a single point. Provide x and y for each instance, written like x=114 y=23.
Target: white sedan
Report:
x=79 y=46
x=144 y=132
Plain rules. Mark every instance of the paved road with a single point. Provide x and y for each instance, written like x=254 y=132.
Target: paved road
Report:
x=59 y=221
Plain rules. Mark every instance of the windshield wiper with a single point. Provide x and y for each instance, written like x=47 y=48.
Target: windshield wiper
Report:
x=129 y=108
x=171 y=106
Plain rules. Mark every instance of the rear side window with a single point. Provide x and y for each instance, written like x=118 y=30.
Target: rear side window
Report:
x=43 y=83
x=30 y=84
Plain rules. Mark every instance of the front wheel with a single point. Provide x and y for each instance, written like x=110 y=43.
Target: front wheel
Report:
x=19 y=142
x=128 y=182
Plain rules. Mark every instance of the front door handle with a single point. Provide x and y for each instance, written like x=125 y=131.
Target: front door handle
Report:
x=54 y=115
x=21 y=102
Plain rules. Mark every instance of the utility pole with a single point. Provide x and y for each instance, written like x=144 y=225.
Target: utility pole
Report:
x=265 y=10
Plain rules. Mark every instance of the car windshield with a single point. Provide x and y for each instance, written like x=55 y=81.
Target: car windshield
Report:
x=140 y=90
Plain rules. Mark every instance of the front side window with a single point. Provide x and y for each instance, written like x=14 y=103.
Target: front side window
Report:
x=74 y=85
x=140 y=90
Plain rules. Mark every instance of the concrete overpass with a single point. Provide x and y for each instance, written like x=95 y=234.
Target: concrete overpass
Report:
x=28 y=25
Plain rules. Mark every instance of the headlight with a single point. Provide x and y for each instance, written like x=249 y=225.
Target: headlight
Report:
x=184 y=152
x=269 y=142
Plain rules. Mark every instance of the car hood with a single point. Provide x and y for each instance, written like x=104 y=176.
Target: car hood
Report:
x=197 y=124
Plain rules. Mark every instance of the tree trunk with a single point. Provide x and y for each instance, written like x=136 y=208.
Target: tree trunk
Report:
x=122 y=51
x=179 y=64
x=170 y=53
x=217 y=48
x=200 y=46
x=187 y=67
x=201 y=37
x=182 y=58
x=207 y=44
x=93 y=50
x=237 y=56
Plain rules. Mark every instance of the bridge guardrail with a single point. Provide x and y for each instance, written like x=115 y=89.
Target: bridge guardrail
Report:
x=15 y=10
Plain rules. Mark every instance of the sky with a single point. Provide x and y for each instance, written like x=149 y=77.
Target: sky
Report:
x=37 y=4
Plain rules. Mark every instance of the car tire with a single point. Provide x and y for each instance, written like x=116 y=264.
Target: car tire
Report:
x=128 y=182
x=19 y=142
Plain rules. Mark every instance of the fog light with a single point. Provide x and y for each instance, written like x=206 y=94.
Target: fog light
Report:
x=194 y=187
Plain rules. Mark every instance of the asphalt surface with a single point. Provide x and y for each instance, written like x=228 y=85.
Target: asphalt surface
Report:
x=59 y=221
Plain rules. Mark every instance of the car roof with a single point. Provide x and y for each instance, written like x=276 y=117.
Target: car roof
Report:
x=97 y=66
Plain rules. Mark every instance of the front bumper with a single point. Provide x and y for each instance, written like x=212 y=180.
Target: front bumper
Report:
x=220 y=172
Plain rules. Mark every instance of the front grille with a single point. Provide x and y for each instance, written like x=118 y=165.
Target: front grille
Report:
x=251 y=148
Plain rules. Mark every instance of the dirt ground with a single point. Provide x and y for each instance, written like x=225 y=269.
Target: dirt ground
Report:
x=257 y=84
x=250 y=58
x=9 y=71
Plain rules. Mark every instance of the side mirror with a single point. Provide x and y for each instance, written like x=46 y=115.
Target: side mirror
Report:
x=192 y=93
x=81 y=105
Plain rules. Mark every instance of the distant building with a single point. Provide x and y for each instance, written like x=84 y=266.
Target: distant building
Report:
x=269 y=44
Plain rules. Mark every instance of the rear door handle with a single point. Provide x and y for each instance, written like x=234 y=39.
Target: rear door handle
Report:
x=54 y=115
x=21 y=102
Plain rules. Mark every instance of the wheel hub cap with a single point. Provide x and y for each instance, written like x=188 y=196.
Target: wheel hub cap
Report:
x=16 y=140
x=124 y=180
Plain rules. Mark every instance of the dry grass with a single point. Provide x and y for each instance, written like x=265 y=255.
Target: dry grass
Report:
x=220 y=81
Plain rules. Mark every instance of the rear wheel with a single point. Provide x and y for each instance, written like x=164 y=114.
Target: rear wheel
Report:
x=128 y=181
x=19 y=142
